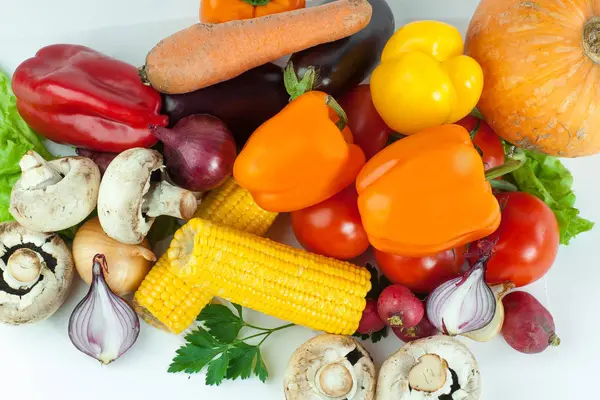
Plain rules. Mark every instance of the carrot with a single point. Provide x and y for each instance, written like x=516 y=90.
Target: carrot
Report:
x=205 y=54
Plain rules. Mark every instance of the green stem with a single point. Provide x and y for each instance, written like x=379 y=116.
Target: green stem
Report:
x=476 y=113
x=295 y=87
x=343 y=122
x=516 y=160
x=143 y=73
x=476 y=129
x=503 y=186
x=257 y=2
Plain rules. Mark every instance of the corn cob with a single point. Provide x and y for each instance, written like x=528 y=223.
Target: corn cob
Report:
x=171 y=303
x=288 y=283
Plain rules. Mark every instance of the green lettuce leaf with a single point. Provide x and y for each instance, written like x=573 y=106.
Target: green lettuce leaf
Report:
x=16 y=138
x=548 y=179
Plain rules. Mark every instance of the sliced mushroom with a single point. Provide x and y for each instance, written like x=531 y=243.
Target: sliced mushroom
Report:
x=434 y=368
x=330 y=367
x=36 y=272
x=130 y=200
x=56 y=195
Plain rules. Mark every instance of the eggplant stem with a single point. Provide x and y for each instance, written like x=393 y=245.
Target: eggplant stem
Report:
x=343 y=122
x=297 y=87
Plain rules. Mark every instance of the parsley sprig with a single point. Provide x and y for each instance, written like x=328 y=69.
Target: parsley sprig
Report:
x=216 y=346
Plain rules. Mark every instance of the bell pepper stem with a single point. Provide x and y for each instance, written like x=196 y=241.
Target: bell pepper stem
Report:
x=343 y=121
x=144 y=75
x=503 y=186
x=516 y=161
x=257 y=2
x=297 y=87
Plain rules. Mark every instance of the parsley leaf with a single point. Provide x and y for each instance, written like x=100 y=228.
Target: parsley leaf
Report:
x=260 y=369
x=243 y=356
x=217 y=369
x=221 y=322
x=191 y=359
x=375 y=336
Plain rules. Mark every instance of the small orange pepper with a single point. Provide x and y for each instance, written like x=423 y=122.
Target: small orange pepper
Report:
x=426 y=193
x=219 y=11
x=300 y=157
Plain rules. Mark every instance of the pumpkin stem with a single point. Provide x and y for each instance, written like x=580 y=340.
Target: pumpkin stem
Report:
x=591 y=39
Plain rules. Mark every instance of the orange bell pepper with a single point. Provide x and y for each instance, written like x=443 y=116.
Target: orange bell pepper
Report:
x=218 y=11
x=426 y=193
x=300 y=157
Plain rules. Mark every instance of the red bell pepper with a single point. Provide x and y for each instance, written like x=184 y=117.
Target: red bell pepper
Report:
x=78 y=96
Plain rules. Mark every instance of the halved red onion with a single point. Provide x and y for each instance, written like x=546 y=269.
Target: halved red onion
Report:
x=103 y=325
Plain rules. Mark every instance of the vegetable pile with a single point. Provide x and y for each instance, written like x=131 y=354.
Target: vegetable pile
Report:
x=207 y=146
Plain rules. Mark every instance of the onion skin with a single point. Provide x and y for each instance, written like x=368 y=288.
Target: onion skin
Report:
x=199 y=152
x=129 y=264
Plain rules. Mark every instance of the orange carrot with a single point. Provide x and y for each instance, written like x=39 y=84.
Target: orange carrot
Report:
x=205 y=54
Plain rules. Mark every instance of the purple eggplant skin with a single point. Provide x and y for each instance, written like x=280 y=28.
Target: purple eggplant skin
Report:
x=242 y=103
x=345 y=63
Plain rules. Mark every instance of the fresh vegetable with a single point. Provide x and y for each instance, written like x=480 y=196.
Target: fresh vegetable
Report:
x=370 y=133
x=219 y=350
x=75 y=95
x=424 y=80
x=228 y=205
x=422 y=330
x=547 y=178
x=526 y=241
x=101 y=159
x=437 y=367
x=463 y=304
x=103 y=325
x=242 y=103
x=538 y=91
x=398 y=306
x=330 y=367
x=273 y=278
x=426 y=193
x=370 y=322
x=492 y=329
x=16 y=139
x=333 y=227
x=219 y=11
x=421 y=274
x=343 y=64
x=129 y=264
x=199 y=152
x=37 y=274
x=55 y=195
x=129 y=201
x=528 y=326
x=193 y=58
x=306 y=165
x=378 y=283
x=486 y=140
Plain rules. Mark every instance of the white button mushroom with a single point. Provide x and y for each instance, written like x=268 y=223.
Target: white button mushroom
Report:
x=56 y=195
x=434 y=368
x=330 y=367
x=36 y=271
x=129 y=200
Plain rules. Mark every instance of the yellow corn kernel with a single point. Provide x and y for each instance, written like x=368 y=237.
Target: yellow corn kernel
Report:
x=288 y=283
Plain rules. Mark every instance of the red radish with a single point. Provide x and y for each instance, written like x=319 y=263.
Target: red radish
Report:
x=422 y=330
x=399 y=307
x=370 y=321
x=528 y=326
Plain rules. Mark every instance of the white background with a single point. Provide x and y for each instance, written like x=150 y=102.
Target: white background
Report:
x=39 y=362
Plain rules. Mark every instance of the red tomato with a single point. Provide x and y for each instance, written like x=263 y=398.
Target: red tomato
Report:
x=333 y=227
x=421 y=274
x=528 y=239
x=370 y=132
x=486 y=139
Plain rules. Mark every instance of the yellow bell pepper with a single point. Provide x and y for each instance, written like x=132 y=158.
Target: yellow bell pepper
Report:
x=424 y=80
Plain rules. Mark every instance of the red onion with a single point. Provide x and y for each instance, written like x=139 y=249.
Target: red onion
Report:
x=463 y=304
x=199 y=152
x=103 y=325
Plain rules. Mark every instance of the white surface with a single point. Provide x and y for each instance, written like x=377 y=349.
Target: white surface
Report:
x=39 y=362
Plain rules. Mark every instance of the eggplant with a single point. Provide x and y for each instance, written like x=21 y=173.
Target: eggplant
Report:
x=345 y=63
x=242 y=103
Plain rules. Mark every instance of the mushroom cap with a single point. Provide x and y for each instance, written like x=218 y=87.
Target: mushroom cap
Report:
x=61 y=205
x=393 y=375
x=121 y=196
x=339 y=363
x=44 y=297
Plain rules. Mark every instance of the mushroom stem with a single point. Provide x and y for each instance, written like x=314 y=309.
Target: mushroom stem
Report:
x=429 y=374
x=23 y=268
x=37 y=172
x=334 y=380
x=166 y=199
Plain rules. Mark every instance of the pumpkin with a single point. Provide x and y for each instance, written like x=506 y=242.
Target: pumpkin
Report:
x=541 y=63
